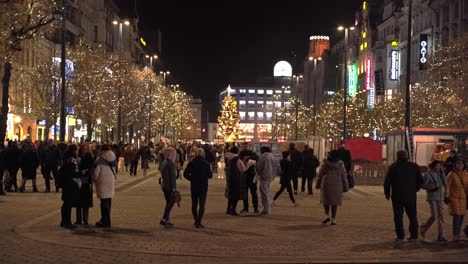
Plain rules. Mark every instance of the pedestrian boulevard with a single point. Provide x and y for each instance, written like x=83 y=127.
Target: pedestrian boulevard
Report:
x=30 y=232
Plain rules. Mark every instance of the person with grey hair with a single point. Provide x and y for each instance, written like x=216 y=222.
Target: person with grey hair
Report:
x=402 y=182
x=198 y=172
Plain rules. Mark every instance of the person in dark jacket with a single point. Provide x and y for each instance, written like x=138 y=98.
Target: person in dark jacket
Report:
x=310 y=165
x=168 y=183
x=198 y=172
x=86 y=191
x=235 y=180
x=245 y=155
x=12 y=154
x=296 y=159
x=70 y=182
x=53 y=162
x=345 y=156
x=42 y=152
x=2 y=167
x=285 y=179
x=29 y=161
x=402 y=182
x=145 y=154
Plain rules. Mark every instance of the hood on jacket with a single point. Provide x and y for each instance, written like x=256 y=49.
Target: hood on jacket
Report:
x=170 y=153
x=230 y=155
x=333 y=165
x=108 y=155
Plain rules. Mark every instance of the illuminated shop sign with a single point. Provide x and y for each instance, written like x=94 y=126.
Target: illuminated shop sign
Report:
x=371 y=101
x=352 y=79
x=423 y=51
x=368 y=73
x=394 y=64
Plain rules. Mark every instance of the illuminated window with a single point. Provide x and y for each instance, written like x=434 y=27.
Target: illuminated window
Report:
x=260 y=91
x=361 y=47
x=251 y=115
x=269 y=91
x=251 y=91
x=260 y=104
x=241 y=104
x=259 y=115
x=277 y=104
x=242 y=115
x=287 y=92
x=268 y=116
x=365 y=44
x=278 y=91
x=269 y=105
x=364 y=5
x=242 y=92
x=364 y=34
x=251 y=105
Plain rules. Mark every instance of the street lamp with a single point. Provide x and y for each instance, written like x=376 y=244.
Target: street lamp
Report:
x=345 y=66
x=297 y=78
x=285 y=88
x=164 y=73
x=148 y=131
x=151 y=59
x=119 y=114
x=315 y=90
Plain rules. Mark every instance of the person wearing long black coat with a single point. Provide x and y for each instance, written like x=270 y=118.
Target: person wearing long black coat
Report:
x=53 y=162
x=86 y=191
x=29 y=161
x=310 y=165
x=70 y=182
x=198 y=172
x=12 y=165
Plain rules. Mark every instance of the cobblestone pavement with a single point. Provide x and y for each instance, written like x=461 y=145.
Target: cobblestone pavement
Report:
x=29 y=231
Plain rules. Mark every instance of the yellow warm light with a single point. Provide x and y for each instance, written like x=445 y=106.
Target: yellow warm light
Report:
x=364 y=5
x=394 y=43
x=143 y=42
x=361 y=47
x=17 y=119
x=364 y=34
x=365 y=44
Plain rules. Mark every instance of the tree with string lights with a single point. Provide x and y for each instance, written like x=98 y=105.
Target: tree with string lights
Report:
x=19 y=20
x=284 y=121
x=228 y=120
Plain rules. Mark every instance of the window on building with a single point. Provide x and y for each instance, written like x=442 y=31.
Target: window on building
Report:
x=242 y=92
x=269 y=105
x=260 y=116
x=95 y=33
x=241 y=104
x=260 y=104
x=251 y=91
x=251 y=116
x=277 y=104
x=278 y=91
x=242 y=115
x=268 y=116
x=261 y=92
x=251 y=105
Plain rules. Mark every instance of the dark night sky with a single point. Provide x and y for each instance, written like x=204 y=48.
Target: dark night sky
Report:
x=209 y=44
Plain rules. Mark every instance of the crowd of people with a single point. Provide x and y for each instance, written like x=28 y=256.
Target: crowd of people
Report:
x=75 y=169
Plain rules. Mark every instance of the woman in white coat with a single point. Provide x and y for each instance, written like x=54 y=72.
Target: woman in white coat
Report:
x=104 y=178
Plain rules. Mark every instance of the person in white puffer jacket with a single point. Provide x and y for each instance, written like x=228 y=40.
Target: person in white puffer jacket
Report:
x=104 y=178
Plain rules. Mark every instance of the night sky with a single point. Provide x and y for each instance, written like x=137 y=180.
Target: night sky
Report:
x=209 y=44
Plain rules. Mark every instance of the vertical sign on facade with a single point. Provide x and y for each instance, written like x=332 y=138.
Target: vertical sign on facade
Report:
x=423 y=52
x=394 y=65
x=368 y=73
x=352 y=79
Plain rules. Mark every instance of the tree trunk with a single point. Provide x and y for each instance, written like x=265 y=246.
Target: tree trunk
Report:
x=5 y=95
x=89 y=129
x=46 y=130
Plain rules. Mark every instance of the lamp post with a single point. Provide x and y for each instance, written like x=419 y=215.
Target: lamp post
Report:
x=345 y=68
x=164 y=73
x=275 y=132
x=148 y=131
x=315 y=90
x=408 y=82
x=285 y=88
x=297 y=78
x=63 y=13
x=119 y=112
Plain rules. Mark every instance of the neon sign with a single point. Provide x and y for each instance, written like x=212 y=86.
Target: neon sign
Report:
x=368 y=73
x=352 y=79
x=394 y=64
x=422 y=51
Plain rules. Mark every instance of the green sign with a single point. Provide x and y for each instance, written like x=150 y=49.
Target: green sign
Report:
x=352 y=79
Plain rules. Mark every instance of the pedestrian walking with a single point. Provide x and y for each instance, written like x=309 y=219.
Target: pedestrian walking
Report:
x=29 y=161
x=402 y=182
x=12 y=165
x=70 y=183
x=86 y=191
x=456 y=195
x=126 y=152
x=296 y=159
x=168 y=184
x=434 y=182
x=145 y=155
x=133 y=159
x=310 y=165
x=52 y=164
x=267 y=169
x=104 y=179
x=198 y=172
x=285 y=179
x=332 y=182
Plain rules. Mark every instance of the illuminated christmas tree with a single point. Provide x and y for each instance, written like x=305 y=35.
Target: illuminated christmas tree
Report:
x=228 y=121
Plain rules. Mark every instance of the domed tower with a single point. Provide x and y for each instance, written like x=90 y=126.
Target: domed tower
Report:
x=317 y=45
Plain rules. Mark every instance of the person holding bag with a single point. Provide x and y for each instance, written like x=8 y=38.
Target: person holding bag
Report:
x=168 y=183
x=434 y=183
x=456 y=197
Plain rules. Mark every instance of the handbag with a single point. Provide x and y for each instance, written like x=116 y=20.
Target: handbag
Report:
x=175 y=197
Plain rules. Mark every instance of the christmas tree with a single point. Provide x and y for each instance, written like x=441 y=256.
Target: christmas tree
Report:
x=228 y=121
